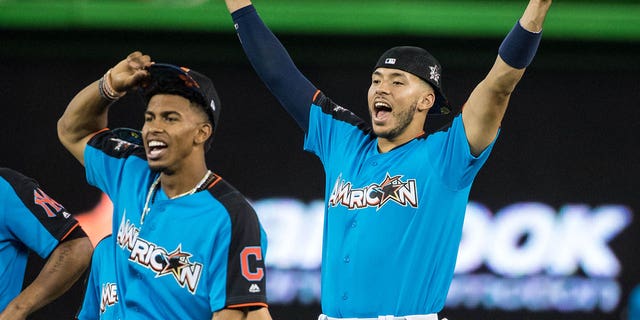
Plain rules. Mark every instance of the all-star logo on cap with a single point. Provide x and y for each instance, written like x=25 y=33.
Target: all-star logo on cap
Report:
x=434 y=74
x=390 y=61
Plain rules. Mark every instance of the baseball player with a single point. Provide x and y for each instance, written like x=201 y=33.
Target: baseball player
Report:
x=187 y=245
x=395 y=197
x=101 y=294
x=31 y=220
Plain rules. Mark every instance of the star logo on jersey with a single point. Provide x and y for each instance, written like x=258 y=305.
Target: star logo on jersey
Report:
x=375 y=194
x=175 y=262
x=388 y=189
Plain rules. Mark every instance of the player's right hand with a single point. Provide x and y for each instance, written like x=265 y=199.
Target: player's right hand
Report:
x=128 y=73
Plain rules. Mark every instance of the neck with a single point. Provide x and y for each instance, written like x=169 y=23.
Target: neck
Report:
x=407 y=132
x=178 y=183
x=385 y=145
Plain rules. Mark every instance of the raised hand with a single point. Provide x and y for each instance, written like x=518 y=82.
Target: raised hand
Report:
x=128 y=73
x=534 y=15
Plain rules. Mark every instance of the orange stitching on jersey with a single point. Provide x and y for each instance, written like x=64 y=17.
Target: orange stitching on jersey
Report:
x=261 y=304
x=214 y=181
x=315 y=95
x=95 y=133
x=68 y=232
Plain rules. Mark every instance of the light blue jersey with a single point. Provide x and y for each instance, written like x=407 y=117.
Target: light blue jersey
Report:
x=101 y=295
x=393 y=221
x=29 y=220
x=188 y=257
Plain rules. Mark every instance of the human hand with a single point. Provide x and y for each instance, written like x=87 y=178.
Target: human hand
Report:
x=234 y=5
x=128 y=73
x=534 y=15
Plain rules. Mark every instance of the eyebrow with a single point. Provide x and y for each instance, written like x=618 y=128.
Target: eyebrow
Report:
x=392 y=74
x=163 y=113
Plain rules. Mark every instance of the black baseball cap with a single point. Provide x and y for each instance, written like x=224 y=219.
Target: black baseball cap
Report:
x=190 y=84
x=422 y=64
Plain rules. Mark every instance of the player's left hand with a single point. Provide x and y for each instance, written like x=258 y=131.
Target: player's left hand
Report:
x=534 y=15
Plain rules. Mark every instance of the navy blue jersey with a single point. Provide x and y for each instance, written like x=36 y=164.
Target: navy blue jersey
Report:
x=393 y=221
x=190 y=256
x=101 y=293
x=29 y=220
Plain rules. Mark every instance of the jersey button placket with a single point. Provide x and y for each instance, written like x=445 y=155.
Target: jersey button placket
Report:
x=159 y=210
x=347 y=268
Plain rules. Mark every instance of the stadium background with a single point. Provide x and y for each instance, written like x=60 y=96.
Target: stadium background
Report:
x=570 y=136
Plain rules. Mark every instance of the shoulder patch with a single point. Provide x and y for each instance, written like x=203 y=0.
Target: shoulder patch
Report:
x=119 y=143
x=340 y=113
x=51 y=214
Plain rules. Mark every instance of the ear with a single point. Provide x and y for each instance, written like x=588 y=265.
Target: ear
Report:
x=205 y=130
x=426 y=101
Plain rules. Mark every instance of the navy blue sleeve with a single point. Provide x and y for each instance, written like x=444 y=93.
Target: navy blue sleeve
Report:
x=274 y=65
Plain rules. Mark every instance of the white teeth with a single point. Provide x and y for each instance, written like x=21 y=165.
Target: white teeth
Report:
x=153 y=144
x=381 y=105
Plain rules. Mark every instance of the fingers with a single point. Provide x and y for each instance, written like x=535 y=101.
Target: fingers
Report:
x=128 y=73
x=138 y=76
x=138 y=61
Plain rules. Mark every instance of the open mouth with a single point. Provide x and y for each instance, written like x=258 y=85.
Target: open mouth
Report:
x=155 y=149
x=381 y=110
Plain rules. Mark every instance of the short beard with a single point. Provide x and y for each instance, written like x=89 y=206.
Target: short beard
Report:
x=157 y=168
x=404 y=119
x=161 y=169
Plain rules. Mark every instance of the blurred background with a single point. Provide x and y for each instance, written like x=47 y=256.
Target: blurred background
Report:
x=553 y=217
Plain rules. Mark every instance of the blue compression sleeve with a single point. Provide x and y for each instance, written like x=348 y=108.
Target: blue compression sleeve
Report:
x=274 y=65
x=519 y=47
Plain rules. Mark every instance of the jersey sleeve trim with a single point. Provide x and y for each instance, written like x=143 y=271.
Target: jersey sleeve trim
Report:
x=69 y=232
x=243 y=305
x=97 y=132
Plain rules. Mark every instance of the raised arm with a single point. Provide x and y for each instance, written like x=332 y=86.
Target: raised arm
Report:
x=485 y=108
x=87 y=111
x=272 y=62
x=63 y=268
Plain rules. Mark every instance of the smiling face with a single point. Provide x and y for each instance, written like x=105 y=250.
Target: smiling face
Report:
x=174 y=132
x=398 y=104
